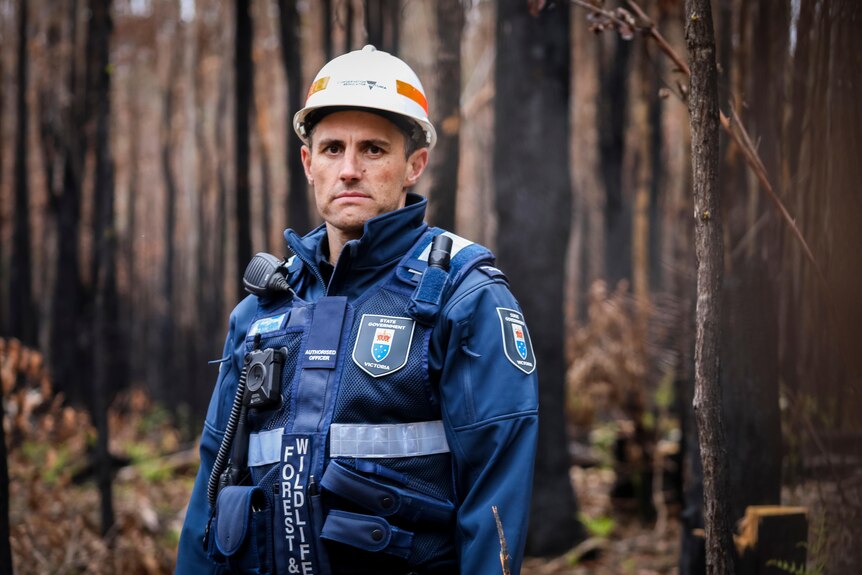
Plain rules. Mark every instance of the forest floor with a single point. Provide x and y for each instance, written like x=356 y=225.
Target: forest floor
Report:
x=55 y=507
x=620 y=542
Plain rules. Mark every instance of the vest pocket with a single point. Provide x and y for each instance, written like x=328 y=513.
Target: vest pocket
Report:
x=385 y=498
x=367 y=532
x=240 y=530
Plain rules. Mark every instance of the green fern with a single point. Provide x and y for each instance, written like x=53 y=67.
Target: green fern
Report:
x=789 y=567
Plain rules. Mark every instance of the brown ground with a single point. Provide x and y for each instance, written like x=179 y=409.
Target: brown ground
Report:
x=631 y=548
x=55 y=516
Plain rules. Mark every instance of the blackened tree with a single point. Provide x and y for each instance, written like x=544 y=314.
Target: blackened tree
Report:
x=105 y=324
x=244 y=91
x=168 y=350
x=382 y=20
x=297 y=197
x=444 y=161
x=66 y=322
x=533 y=204
x=614 y=55
x=21 y=309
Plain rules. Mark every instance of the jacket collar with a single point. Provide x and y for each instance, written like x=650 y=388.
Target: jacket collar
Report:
x=384 y=239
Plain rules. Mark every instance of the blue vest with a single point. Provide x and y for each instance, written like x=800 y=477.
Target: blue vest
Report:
x=352 y=471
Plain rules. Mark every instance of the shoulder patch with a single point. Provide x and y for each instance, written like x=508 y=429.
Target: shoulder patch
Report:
x=516 y=340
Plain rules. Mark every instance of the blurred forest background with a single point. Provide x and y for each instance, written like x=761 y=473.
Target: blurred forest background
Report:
x=146 y=153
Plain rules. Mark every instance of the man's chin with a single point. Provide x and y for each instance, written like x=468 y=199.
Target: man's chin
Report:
x=353 y=226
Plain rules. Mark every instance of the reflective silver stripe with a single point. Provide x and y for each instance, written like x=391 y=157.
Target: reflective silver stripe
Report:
x=458 y=244
x=265 y=447
x=390 y=440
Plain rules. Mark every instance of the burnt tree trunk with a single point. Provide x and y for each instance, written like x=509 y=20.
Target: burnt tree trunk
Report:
x=208 y=271
x=50 y=129
x=704 y=117
x=327 y=29
x=4 y=281
x=22 y=317
x=105 y=278
x=612 y=118
x=168 y=313
x=533 y=203
x=262 y=137
x=66 y=321
x=244 y=92
x=348 y=27
x=220 y=294
x=444 y=161
x=382 y=22
x=132 y=311
x=298 y=217
x=750 y=366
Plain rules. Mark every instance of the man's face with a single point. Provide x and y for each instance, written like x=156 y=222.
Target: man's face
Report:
x=357 y=166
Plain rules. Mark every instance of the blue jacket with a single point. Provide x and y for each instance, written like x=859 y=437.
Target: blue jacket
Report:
x=476 y=354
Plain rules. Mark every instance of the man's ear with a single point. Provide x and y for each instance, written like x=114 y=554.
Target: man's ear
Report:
x=416 y=164
x=305 y=153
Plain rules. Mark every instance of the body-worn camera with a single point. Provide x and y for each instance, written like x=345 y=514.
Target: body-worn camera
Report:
x=263 y=383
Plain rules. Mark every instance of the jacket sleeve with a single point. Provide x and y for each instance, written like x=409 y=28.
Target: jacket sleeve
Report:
x=191 y=556
x=490 y=408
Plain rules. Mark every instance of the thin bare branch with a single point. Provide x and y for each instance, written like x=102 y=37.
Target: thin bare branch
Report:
x=737 y=131
x=650 y=29
x=598 y=11
x=735 y=128
x=504 y=552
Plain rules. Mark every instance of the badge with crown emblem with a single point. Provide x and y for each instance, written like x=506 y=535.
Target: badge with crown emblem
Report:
x=516 y=339
x=382 y=344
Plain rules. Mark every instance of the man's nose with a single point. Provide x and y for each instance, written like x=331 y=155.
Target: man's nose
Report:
x=350 y=168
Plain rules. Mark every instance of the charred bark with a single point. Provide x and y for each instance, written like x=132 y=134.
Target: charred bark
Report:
x=382 y=22
x=612 y=118
x=22 y=317
x=750 y=294
x=533 y=196
x=132 y=311
x=704 y=118
x=66 y=323
x=298 y=217
x=168 y=315
x=244 y=96
x=220 y=295
x=444 y=161
x=348 y=27
x=327 y=29
x=4 y=281
x=208 y=270
x=105 y=321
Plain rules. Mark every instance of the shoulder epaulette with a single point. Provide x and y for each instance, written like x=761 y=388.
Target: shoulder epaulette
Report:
x=433 y=284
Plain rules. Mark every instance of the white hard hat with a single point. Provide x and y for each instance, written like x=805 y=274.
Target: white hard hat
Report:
x=368 y=78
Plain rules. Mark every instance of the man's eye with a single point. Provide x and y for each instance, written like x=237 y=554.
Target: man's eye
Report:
x=332 y=149
x=375 y=150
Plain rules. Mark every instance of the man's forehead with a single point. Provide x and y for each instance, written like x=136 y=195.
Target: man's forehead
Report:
x=356 y=124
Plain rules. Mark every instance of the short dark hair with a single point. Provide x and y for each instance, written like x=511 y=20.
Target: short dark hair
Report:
x=414 y=135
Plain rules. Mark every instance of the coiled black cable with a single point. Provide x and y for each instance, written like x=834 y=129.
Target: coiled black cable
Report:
x=224 y=449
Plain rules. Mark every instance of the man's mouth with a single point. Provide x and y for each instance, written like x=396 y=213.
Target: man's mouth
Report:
x=351 y=194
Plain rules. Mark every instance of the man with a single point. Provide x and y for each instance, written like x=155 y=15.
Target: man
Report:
x=373 y=408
